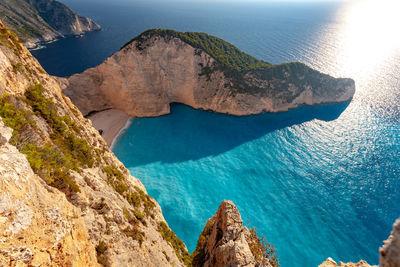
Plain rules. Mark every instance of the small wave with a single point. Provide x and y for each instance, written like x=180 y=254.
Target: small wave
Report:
x=37 y=47
x=121 y=132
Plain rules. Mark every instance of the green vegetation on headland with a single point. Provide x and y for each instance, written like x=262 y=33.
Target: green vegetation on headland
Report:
x=229 y=56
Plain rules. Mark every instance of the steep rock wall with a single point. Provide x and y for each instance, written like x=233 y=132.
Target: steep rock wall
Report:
x=38 y=225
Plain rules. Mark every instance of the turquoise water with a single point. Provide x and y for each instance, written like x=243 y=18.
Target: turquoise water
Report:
x=318 y=182
x=314 y=186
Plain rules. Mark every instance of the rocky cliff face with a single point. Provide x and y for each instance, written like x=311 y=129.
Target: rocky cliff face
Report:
x=155 y=70
x=108 y=213
x=38 y=225
x=36 y=21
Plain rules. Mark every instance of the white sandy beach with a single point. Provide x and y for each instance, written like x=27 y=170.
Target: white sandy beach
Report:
x=111 y=122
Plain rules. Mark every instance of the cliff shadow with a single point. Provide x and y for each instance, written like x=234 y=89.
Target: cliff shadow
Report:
x=188 y=134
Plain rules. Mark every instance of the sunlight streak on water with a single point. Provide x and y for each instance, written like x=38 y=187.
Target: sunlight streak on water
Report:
x=369 y=37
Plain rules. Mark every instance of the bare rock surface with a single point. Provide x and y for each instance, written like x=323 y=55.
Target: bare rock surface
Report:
x=331 y=263
x=38 y=225
x=226 y=242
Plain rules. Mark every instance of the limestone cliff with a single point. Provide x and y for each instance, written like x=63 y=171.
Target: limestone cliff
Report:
x=36 y=21
x=226 y=242
x=160 y=67
x=109 y=211
x=38 y=226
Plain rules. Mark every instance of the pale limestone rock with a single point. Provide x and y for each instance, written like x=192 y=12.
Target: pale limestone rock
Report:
x=331 y=263
x=5 y=133
x=29 y=236
x=227 y=240
x=144 y=82
x=389 y=253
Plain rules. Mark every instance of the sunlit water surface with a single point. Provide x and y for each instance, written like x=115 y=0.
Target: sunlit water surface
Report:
x=318 y=182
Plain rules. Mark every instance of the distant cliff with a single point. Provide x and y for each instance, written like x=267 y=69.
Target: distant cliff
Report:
x=160 y=67
x=36 y=21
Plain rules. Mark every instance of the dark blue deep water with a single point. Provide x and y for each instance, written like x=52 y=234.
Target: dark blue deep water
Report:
x=318 y=181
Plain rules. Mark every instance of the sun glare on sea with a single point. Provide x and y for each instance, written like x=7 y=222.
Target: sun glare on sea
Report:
x=369 y=36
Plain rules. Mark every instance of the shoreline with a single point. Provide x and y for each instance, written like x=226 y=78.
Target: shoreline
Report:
x=112 y=123
x=121 y=131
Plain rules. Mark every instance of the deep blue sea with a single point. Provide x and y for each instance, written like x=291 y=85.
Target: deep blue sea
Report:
x=317 y=182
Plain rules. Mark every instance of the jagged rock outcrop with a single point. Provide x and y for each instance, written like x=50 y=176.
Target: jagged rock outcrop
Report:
x=38 y=225
x=112 y=215
x=389 y=253
x=226 y=242
x=331 y=263
x=36 y=21
x=161 y=67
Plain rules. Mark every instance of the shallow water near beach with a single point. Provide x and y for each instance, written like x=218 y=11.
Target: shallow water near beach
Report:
x=318 y=181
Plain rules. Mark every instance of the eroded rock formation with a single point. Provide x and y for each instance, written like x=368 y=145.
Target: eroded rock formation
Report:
x=226 y=242
x=331 y=263
x=154 y=70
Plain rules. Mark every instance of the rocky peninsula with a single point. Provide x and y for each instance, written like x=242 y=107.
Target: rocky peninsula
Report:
x=38 y=21
x=160 y=67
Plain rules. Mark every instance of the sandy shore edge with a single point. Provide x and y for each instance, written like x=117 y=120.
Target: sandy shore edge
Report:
x=111 y=123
